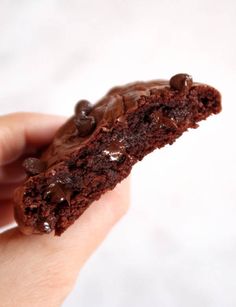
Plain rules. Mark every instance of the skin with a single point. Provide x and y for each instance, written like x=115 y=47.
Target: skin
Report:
x=41 y=270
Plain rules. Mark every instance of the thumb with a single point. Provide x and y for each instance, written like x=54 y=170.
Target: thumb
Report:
x=43 y=269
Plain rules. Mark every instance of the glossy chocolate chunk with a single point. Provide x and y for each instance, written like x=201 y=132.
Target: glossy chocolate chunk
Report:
x=164 y=121
x=115 y=151
x=56 y=193
x=181 y=82
x=34 y=166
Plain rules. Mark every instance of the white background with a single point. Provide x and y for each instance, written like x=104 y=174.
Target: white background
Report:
x=177 y=245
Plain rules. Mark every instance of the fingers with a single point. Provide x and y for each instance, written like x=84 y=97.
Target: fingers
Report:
x=20 y=133
x=6 y=205
x=96 y=222
x=20 y=130
x=40 y=265
x=6 y=212
x=6 y=190
x=13 y=172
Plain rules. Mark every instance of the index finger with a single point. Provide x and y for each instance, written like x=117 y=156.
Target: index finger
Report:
x=21 y=130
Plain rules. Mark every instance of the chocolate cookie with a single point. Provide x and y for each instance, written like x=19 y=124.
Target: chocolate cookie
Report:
x=98 y=146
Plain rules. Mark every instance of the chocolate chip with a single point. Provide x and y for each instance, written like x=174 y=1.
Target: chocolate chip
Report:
x=34 y=166
x=55 y=193
x=163 y=121
x=181 y=82
x=85 y=125
x=115 y=151
x=83 y=107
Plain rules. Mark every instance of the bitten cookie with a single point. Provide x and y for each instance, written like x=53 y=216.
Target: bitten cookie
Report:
x=96 y=148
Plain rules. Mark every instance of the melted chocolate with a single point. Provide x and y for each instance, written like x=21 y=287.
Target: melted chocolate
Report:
x=115 y=151
x=163 y=121
x=57 y=192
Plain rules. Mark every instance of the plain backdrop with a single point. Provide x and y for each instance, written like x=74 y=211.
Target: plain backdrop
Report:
x=177 y=245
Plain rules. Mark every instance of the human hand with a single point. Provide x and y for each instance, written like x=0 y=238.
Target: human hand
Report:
x=41 y=270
